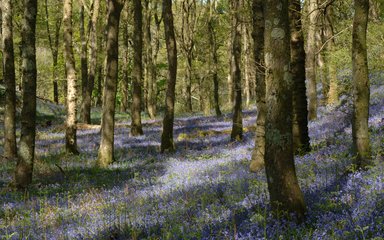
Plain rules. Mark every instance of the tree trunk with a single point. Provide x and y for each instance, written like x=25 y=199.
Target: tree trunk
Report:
x=237 y=120
x=54 y=46
x=301 y=142
x=167 y=135
x=10 y=149
x=125 y=79
x=311 y=59
x=26 y=154
x=247 y=66
x=137 y=71
x=285 y=194
x=84 y=66
x=360 y=130
x=106 y=150
x=70 y=125
x=258 y=39
x=93 y=63
x=151 y=73
x=215 y=61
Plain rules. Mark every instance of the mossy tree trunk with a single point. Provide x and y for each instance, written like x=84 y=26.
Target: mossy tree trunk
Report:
x=167 y=135
x=70 y=124
x=10 y=149
x=137 y=71
x=237 y=120
x=301 y=142
x=26 y=154
x=106 y=150
x=360 y=130
x=284 y=191
x=258 y=42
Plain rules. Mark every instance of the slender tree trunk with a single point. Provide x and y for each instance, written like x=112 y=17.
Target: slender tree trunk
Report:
x=311 y=59
x=93 y=63
x=26 y=154
x=333 y=91
x=237 y=121
x=360 y=130
x=150 y=65
x=84 y=66
x=284 y=190
x=106 y=150
x=167 y=135
x=301 y=142
x=100 y=77
x=54 y=46
x=258 y=41
x=125 y=79
x=231 y=92
x=10 y=149
x=70 y=125
x=137 y=71
x=247 y=66
x=215 y=61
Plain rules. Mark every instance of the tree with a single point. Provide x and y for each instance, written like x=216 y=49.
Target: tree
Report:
x=10 y=149
x=300 y=113
x=106 y=150
x=215 y=59
x=26 y=154
x=126 y=63
x=284 y=191
x=360 y=130
x=84 y=65
x=311 y=59
x=70 y=124
x=237 y=120
x=137 y=71
x=170 y=40
x=258 y=45
x=54 y=45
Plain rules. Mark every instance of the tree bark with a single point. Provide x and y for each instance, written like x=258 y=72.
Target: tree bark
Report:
x=137 y=71
x=84 y=66
x=167 y=135
x=301 y=142
x=70 y=125
x=237 y=120
x=106 y=150
x=10 y=149
x=215 y=61
x=311 y=59
x=360 y=129
x=26 y=154
x=284 y=191
x=258 y=39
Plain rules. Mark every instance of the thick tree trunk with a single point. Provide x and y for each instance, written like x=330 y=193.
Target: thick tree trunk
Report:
x=26 y=154
x=84 y=67
x=215 y=61
x=360 y=130
x=70 y=125
x=258 y=41
x=311 y=59
x=284 y=191
x=10 y=149
x=167 y=135
x=106 y=150
x=301 y=142
x=237 y=121
x=137 y=71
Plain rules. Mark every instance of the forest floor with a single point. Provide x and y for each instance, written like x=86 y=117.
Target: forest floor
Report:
x=203 y=191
